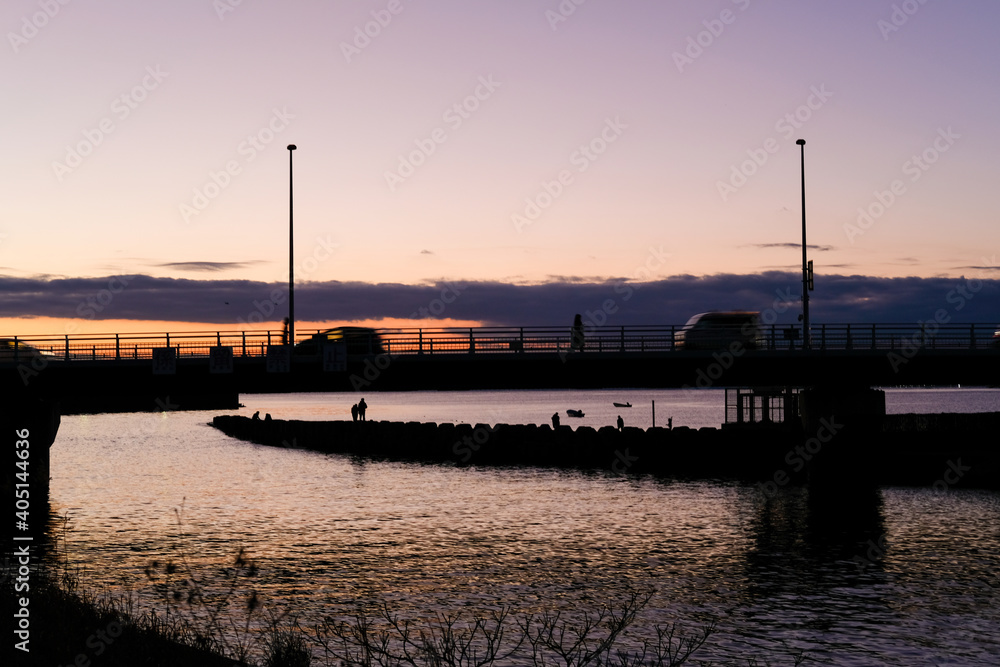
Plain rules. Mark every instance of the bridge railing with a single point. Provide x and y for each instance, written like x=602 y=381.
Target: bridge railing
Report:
x=526 y=339
x=902 y=337
x=502 y=340
x=106 y=347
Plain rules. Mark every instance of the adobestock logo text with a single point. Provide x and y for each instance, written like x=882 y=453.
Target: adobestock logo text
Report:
x=121 y=108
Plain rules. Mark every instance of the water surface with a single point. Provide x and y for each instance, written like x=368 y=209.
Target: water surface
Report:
x=894 y=576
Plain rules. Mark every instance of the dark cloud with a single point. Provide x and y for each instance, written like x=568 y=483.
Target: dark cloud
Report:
x=426 y=252
x=819 y=248
x=208 y=266
x=838 y=298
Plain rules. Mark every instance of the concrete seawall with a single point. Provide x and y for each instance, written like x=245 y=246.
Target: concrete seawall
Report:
x=767 y=454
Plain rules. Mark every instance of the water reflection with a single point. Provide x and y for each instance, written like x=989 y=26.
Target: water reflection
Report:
x=330 y=534
x=805 y=585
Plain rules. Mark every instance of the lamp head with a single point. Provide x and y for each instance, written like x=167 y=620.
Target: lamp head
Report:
x=800 y=142
x=291 y=147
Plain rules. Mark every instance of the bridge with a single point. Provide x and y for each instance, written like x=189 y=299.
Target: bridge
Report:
x=210 y=369
x=42 y=377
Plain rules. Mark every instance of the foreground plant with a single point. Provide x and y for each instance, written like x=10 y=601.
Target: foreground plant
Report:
x=547 y=638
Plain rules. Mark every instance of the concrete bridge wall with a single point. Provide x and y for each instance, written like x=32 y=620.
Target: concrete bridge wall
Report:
x=89 y=386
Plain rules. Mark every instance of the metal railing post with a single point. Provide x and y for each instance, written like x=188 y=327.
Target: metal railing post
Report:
x=420 y=339
x=218 y=339
x=622 y=341
x=521 y=338
x=972 y=336
x=118 y=349
x=472 y=342
x=244 y=343
x=67 y=347
x=873 y=337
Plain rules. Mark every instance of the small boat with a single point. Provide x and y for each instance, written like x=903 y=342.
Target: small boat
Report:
x=575 y=413
x=622 y=405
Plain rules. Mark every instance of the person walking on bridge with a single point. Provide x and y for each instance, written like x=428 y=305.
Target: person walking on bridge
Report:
x=576 y=342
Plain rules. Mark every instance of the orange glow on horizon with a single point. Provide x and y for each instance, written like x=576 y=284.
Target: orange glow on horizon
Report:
x=29 y=327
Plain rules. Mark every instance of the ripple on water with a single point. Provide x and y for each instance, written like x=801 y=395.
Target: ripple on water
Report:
x=330 y=534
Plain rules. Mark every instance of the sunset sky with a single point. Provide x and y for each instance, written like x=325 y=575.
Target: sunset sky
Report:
x=500 y=142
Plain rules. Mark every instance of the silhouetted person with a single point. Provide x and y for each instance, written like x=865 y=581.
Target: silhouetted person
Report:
x=576 y=336
x=362 y=406
x=354 y=412
x=267 y=417
x=256 y=416
x=555 y=420
x=284 y=331
x=621 y=423
x=670 y=423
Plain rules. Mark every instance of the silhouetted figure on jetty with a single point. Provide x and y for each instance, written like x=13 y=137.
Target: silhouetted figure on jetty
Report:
x=555 y=420
x=354 y=412
x=621 y=423
x=362 y=406
x=670 y=423
x=267 y=417
x=256 y=416
x=284 y=331
x=577 y=336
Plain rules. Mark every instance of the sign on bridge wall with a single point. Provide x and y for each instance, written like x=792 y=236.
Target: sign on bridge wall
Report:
x=220 y=359
x=279 y=358
x=335 y=357
x=164 y=361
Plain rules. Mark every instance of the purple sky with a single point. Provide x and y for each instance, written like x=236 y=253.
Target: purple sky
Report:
x=496 y=141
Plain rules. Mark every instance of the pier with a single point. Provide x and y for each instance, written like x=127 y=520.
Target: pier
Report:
x=918 y=450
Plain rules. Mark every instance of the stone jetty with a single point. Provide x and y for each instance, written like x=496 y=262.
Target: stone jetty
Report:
x=910 y=449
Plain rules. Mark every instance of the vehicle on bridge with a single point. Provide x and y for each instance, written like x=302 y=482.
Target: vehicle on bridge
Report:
x=14 y=350
x=717 y=329
x=360 y=340
x=996 y=338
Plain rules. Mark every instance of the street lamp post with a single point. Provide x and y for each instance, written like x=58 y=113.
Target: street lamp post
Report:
x=291 y=256
x=805 y=266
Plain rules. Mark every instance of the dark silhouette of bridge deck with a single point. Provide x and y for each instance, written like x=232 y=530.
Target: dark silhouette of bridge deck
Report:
x=503 y=340
x=152 y=371
x=43 y=377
